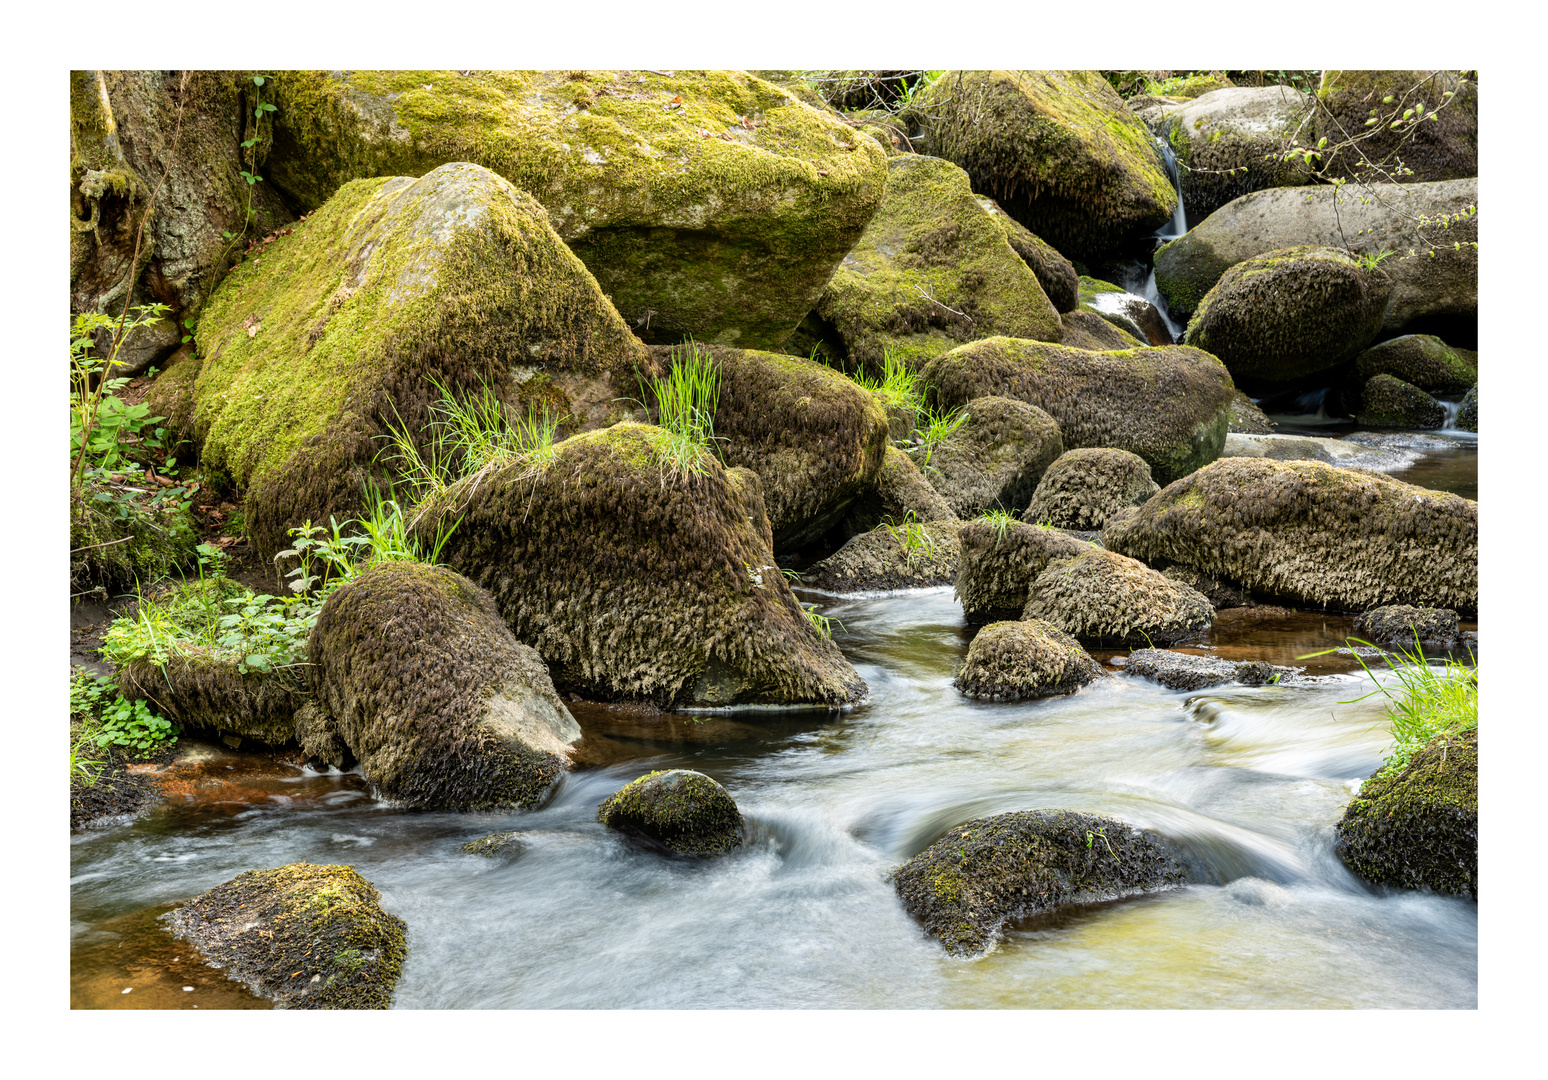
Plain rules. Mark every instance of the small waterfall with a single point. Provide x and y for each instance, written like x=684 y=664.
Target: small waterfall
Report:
x=1170 y=231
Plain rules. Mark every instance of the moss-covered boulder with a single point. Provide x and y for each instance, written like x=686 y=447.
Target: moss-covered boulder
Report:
x=1058 y=150
x=1134 y=315
x=1102 y=597
x=1288 y=313
x=995 y=459
x=1247 y=418
x=500 y=845
x=1387 y=401
x=1435 y=295
x=1010 y=661
x=639 y=580
x=677 y=810
x=116 y=543
x=1421 y=360
x=906 y=556
x=1467 y=413
x=1312 y=534
x=1000 y=560
x=1085 y=487
x=1086 y=329
x=444 y=709
x=901 y=494
x=304 y=936
x=932 y=270
x=1445 y=148
x=1399 y=626
x=1231 y=141
x=815 y=438
x=171 y=396
x=966 y=886
x=1221 y=592
x=1417 y=828
x=314 y=350
x=1055 y=273
x=1169 y=405
x=1185 y=671
x=709 y=203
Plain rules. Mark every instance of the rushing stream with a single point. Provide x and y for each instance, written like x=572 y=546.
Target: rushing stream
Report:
x=1250 y=779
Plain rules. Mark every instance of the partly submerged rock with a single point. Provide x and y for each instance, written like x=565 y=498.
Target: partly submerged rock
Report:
x=907 y=556
x=995 y=459
x=1185 y=671
x=443 y=708
x=1132 y=314
x=1169 y=405
x=304 y=936
x=1009 y=661
x=1085 y=487
x=967 y=885
x=999 y=562
x=639 y=579
x=678 y=810
x=1402 y=626
x=1387 y=401
x=1467 y=414
x=1418 y=828
x=500 y=845
x=1312 y=534
x=1102 y=597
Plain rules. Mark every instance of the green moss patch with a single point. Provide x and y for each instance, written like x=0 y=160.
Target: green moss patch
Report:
x=1421 y=360
x=1387 y=401
x=677 y=810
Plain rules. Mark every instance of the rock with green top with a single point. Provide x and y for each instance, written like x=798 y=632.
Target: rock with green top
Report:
x=1058 y=150
x=444 y=709
x=1085 y=487
x=312 y=351
x=1430 y=294
x=1467 y=413
x=1170 y=405
x=305 y=936
x=1445 y=148
x=1417 y=827
x=994 y=460
x=1012 y=661
x=1312 y=535
x=640 y=575
x=1390 y=402
x=933 y=269
x=1101 y=597
x=678 y=811
x=1001 y=559
x=1231 y=141
x=500 y=845
x=909 y=555
x=966 y=886
x=1085 y=329
x=1421 y=360
x=1055 y=273
x=1289 y=313
x=707 y=203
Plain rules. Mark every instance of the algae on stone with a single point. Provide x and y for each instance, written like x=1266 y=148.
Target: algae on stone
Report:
x=1055 y=273
x=1011 y=661
x=1403 y=626
x=1422 y=360
x=678 y=810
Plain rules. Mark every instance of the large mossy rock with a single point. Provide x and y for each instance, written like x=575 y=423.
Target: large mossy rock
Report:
x=126 y=129
x=1436 y=295
x=1085 y=487
x=313 y=351
x=901 y=495
x=906 y=556
x=1445 y=148
x=1169 y=405
x=1312 y=534
x=1055 y=273
x=678 y=810
x=815 y=438
x=1102 y=597
x=304 y=936
x=967 y=885
x=1009 y=661
x=1288 y=313
x=1421 y=360
x=1000 y=561
x=444 y=709
x=1231 y=141
x=1386 y=401
x=1058 y=150
x=708 y=203
x=1417 y=828
x=636 y=581
x=933 y=269
x=995 y=459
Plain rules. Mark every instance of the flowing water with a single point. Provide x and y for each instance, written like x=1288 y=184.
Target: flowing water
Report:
x=1251 y=780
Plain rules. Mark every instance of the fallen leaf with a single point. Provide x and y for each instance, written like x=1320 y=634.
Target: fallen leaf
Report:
x=252 y=331
x=820 y=172
x=677 y=100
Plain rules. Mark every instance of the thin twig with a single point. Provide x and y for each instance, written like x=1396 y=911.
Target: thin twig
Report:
x=105 y=543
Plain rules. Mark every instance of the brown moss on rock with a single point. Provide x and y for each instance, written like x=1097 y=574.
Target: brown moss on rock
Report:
x=967 y=885
x=1085 y=487
x=1292 y=312
x=1010 y=661
x=1103 y=597
x=1445 y=148
x=1421 y=360
x=1184 y=671
x=708 y=203
x=678 y=811
x=1403 y=626
x=901 y=494
x=500 y=845
x=1247 y=418
x=1058 y=150
x=210 y=693
x=317 y=348
x=426 y=686
x=1086 y=329
x=996 y=458
x=1312 y=534
x=1418 y=829
x=998 y=565
x=1169 y=405
x=1387 y=401
x=906 y=556
x=638 y=583
x=304 y=936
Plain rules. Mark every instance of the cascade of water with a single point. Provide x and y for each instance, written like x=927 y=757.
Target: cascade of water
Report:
x=1170 y=231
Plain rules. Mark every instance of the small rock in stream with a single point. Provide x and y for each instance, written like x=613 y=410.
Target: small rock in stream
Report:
x=1185 y=671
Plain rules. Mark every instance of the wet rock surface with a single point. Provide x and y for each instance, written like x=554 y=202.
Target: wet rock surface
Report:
x=1402 y=626
x=679 y=811
x=1186 y=671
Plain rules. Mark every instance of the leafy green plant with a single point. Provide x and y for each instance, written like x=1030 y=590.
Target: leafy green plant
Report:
x=134 y=726
x=912 y=537
x=99 y=420
x=101 y=719
x=820 y=622
x=1371 y=260
x=253 y=147
x=1100 y=833
x=686 y=400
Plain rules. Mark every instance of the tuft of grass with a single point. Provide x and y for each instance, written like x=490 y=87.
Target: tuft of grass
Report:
x=820 y=622
x=937 y=431
x=898 y=387
x=912 y=537
x=1002 y=520
x=686 y=400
